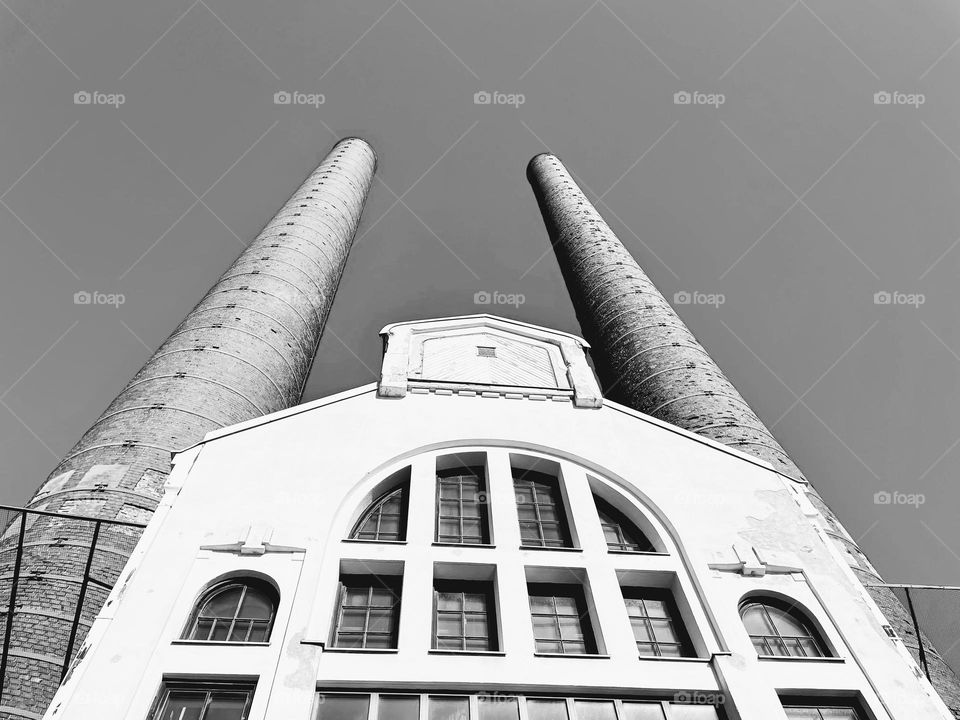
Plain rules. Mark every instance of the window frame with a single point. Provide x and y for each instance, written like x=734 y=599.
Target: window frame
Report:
x=665 y=706
x=798 y=614
x=619 y=520
x=375 y=506
x=483 y=513
x=577 y=592
x=826 y=702
x=562 y=522
x=246 y=582
x=209 y=687
x=665 y=595
x=393 y=583
x=472 y=587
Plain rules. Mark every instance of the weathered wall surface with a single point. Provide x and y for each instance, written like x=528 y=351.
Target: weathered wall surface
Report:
x=244 y=351
x=649 y=360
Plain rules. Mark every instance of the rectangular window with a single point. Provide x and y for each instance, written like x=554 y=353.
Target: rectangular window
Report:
x=184 y=700
x=445 y=707
x=464 y=615
x=494 y=705
x=543 y=522
x=656 y=623
x=399 y=707
x=560 y=620
x=336 y=706
x=462 y=506
x=821 y=712
x=546 y=709
x=368 y=612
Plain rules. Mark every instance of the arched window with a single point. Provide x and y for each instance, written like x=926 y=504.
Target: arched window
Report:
x=239 y=610
x=778 y=628
x=385 y=519
x=621 y=534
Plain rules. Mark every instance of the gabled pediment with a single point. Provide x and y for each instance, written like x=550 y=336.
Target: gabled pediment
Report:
x=478 y=353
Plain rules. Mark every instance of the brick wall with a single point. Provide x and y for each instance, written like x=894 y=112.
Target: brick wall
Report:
x=649 y=360
x=244 y=351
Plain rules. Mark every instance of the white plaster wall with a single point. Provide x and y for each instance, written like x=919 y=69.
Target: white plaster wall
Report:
x=302 y=472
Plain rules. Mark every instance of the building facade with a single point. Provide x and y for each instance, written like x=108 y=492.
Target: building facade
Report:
x=482 y=536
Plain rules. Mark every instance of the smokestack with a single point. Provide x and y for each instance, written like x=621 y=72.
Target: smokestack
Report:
x=649 y=360
x=244 y=351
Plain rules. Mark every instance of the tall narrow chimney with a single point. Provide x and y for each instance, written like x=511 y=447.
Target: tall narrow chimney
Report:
x=649 y=360
x=245 y=350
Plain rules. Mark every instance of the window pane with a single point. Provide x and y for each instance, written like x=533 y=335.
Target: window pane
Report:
x=382 y=597
x=498 y=708
x=693 y=712
x=545 y=628
x=570 y=628
x=220 y=630
x=550 y=710
x=476 y=626
x=663 y=631
x=786 y=625
x=449 y=625
x=642 y=711
x=226 y=706
x=449 y=708
x=399 y=707
x=353 y=619
x=223 y=604
x=594 y=710
x=183 y=705
x=256 y=605
x=343 y=707
x=802 y=713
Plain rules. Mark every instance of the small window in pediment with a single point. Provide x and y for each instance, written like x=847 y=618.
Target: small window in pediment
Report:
x=486 y=351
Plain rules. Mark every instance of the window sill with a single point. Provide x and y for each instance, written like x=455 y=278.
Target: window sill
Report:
x=368 y=651
x=364 y=541
x=653 y=553
x=439 y=543
x=554 y=549
x=491 y=653
x=588 y=656
x=792 y=658
x=226 y=643
x=661 y=658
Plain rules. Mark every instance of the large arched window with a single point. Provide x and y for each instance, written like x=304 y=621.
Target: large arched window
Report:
x=621 y=534
x=238 y=610
x=385 y=518
x=778 y=628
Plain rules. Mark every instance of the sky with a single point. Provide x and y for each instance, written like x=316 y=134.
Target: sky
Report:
x=805 y=201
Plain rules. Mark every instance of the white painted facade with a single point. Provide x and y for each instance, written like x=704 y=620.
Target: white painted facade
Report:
x=277 y=497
